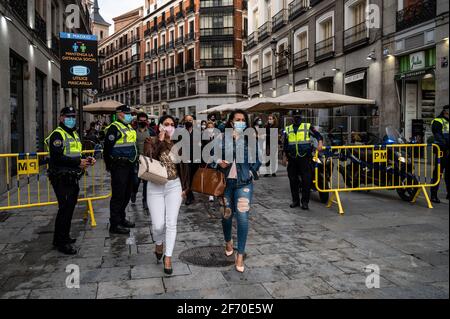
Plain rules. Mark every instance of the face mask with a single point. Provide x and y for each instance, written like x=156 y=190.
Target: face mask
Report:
x=70 y=122
x=297 y=120
x=142 y=124
x=128 y=118
x=169 y=130
x=270 y=122
x=203 y=127
x=188 y=125
x=260 y=123
x=240 y=126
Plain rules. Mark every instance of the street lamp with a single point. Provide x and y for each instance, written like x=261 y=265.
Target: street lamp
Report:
x=286 y=53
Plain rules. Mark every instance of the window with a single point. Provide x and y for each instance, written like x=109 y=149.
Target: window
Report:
x=181 y=88
x=217 y=84
x=172 y=91
x=192 y=90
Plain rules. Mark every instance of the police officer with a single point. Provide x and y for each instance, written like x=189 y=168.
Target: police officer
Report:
x=439 y=127
x=298 y=155
x=120 y=155
x=65 y=170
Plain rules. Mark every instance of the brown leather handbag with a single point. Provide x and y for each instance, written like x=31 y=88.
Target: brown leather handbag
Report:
x=209 y=181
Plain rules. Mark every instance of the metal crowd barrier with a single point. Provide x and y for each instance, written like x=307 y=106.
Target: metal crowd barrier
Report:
x=408 y=169
x=25 y=183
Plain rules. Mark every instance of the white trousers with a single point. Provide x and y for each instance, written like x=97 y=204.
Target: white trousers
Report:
x=164 y=202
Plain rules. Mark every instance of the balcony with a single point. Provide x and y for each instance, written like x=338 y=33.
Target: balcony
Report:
x=40 y=28
x=170 y=46
x=153 y=52
x=281 y=67
x=179 y=41
x=279 y=20
x=179 y=69
x=297 y=8
x=162 y=25
x=170 y=72
x=163 y=95
x=162 y=49
x=189 y=37
x=135 y=58
x=301 y=59
x=266 y=74
x=216 y=63
x=147 y=78
x=189 y=66
x=154 y=29
x=180 y=15
x=148 y=32
x=356 y=36
x=252 y=40
x=191 y=8
x=20 y=7
x=264 y=31
x=170 y=20
x=215 y=3
x=324 y=49
x=162 y=74
x=181 y=90
x=254 y=79
x=147 y=55
x=192 y=90
x=244 y=5
x=218 y=33
x=415 y=14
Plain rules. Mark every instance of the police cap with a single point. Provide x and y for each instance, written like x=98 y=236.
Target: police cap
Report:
x=123 y=109
x=68 y=111
x=296 y=113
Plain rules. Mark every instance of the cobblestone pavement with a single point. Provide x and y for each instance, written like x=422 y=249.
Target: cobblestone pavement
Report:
x=291 y=253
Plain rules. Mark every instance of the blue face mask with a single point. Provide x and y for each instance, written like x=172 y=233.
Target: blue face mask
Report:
x=240 y=126
x=128 y=118
x=70 y=122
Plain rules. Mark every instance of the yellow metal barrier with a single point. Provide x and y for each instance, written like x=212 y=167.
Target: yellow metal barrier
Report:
x=25 y=183
x=407 y=168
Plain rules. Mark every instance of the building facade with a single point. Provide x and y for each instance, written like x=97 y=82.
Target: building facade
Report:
x=99 y=26
x=121 y=73
x=30 y=92
x=335 y=46
x=193 y=55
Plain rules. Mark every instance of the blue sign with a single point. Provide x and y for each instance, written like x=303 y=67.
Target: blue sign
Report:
x=74 y=36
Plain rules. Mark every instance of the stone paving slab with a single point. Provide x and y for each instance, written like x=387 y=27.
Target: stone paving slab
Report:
x=290 y=253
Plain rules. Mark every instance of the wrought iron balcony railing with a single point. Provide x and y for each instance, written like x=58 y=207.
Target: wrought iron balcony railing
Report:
x=215 y=3
x=217 y=32
x=415 y=14
x=324 y=49
x=254 y=79
x=355 y=36
x=297 y=8
x=216 y=63
x=179 y=41
x=266 y=74
x=264 y=31
x=189 y=37
x=179 y=69
x=281 y=67
x=252 y=40
x=189 y=66
x=279 y=20
x=40 y=27
x=301 y=59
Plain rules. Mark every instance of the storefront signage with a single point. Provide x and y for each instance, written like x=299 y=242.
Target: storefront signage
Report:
x=79 y=61
x=355 y=77
x=417 y=61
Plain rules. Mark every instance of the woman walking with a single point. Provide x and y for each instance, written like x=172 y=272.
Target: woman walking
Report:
x=240 y=174
x=164 y=201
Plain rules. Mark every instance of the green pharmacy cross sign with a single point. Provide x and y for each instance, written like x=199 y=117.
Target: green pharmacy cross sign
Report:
x=79 y=61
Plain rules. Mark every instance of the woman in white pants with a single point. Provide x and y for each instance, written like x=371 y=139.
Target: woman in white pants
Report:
x=164 y=201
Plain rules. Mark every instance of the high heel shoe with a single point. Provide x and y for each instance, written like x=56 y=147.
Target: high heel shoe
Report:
x=167 y=271
x=158 y=257
x=239 y=269
x=229 y=253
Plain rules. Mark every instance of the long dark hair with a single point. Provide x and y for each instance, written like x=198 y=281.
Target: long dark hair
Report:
x=165 y=117
x=231 y=117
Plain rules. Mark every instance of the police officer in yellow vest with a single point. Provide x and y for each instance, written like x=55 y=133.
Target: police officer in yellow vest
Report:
x=298 y=154
x=66 y=167
x=440 y=128
x=120 y=155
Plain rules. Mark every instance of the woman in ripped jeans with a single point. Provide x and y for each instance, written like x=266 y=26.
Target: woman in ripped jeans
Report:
x=240 y=167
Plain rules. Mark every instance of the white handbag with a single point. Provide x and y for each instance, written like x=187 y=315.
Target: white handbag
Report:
x=152 y=170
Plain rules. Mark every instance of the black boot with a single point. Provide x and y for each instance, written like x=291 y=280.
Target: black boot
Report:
x=127 y=224
x=66 y=249
x=70 y=241
x=133 y=198
x=435 y=199
x=119 y=229
x=294 y=204
x=305 y=206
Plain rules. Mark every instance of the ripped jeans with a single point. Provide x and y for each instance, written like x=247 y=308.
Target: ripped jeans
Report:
x=237 y=203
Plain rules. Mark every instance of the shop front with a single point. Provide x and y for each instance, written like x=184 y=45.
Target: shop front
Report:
x=416 y=88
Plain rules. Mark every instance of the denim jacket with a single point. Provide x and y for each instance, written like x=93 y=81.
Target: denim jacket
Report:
x=247 y=169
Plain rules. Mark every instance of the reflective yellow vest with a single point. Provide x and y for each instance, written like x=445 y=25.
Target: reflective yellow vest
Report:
x=72 y=145
x=126 y=145
x=444 y=123
x=301 y=138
